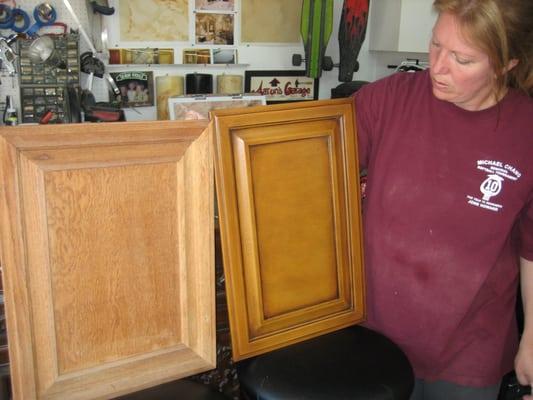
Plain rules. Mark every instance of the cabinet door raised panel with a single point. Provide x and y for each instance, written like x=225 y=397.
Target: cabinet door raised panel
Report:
x=288 y=197
x=107 y=239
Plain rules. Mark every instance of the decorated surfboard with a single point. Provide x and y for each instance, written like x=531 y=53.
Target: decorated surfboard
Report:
x=316 y=26
x=352 y=31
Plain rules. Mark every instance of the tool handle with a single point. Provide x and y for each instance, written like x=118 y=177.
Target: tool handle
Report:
x=515 y=390
x=102 y=9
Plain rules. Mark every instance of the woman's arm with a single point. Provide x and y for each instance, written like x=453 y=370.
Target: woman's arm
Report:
x=524 y=358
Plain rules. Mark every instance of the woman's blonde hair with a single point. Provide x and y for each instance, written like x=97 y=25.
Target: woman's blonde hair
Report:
x=503 y=29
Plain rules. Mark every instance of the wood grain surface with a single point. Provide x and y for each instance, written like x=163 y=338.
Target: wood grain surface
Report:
x=108 y=256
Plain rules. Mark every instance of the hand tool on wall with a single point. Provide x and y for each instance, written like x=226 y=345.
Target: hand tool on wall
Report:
x=93 y=111
x=352 y=31
x=96 y=10
x=7 y=55
x=18 y=20
x=106 y=76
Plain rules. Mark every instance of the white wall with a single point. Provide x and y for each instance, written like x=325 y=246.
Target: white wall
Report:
x=373 y=65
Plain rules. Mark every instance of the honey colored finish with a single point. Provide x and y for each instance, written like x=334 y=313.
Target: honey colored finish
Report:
x=108 y=256
x=283 y=288
x=289 y=205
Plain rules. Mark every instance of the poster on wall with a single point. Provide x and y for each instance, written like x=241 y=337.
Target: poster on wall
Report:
x=154 y=20
x=272 y=21
x=136 y=88
x=216 y=5
x=214 y=28
x=281 y=86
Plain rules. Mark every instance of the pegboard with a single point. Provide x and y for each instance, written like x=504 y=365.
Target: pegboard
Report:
x=43 y=88
x=9 y=84
x=63 y=15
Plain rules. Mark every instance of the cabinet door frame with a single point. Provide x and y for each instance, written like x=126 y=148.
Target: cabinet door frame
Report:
x=30 y=154
x=326 y=127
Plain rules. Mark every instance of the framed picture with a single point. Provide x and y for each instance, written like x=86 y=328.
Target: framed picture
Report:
x=214 y=28
x=198 y=107
x=141 y=56
x=224 y=56
x=281 y=86
x=197 y=56
x=272 y=21
x=215 y=5
x=136 y=88
x=136 y=20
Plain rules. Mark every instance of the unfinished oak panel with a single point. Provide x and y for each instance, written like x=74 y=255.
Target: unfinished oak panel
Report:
x=108 y=256
x=289 y=204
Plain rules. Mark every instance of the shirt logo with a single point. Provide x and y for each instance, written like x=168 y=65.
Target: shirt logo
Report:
x=497 y=172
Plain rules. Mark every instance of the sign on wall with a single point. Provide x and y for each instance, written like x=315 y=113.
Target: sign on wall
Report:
x=281 y=86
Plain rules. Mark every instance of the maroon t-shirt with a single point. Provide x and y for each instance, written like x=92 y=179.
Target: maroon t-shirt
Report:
x=448 y=209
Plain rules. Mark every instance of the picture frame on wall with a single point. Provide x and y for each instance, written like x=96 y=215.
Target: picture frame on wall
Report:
x=136 y=88
x=283 y=18
x=214 y=28
x=215 y=5
x=281 y=86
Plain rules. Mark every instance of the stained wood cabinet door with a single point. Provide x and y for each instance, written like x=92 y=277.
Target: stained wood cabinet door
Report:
x=289 y=205
x=107 y=246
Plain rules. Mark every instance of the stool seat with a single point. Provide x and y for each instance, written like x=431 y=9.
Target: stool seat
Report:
x=353 y=363
x=346 y=89
x=177 y=390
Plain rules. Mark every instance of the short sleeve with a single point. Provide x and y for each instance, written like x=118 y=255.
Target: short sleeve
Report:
x=525 y=226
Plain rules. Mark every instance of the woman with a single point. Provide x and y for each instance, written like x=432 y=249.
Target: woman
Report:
x=448 y=212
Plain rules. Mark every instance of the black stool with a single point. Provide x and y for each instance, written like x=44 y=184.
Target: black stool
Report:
x=346 y=89
x=5 y=382
x=354 y=363
x=177 y=390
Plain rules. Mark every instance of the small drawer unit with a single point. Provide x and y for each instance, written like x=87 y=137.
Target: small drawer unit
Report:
x=43 y=86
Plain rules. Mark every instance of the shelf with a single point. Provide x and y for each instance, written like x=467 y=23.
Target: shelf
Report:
x=180 y=66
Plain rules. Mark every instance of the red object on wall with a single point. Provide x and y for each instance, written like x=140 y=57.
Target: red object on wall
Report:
x=352 y=32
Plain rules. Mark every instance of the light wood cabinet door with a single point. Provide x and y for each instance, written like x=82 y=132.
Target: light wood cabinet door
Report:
x=289 y=205
x=107 y=245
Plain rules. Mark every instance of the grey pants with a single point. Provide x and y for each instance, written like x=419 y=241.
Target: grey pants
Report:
x=441 y=390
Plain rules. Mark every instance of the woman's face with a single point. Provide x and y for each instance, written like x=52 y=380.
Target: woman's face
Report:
x=460 y=73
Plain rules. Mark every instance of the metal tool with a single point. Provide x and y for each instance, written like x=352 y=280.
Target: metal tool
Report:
x=7 y=55
x=96 y=10
x=44 y=15
x=107 y=77
x=6 y=16
x=18 y=20
x=21 y=20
